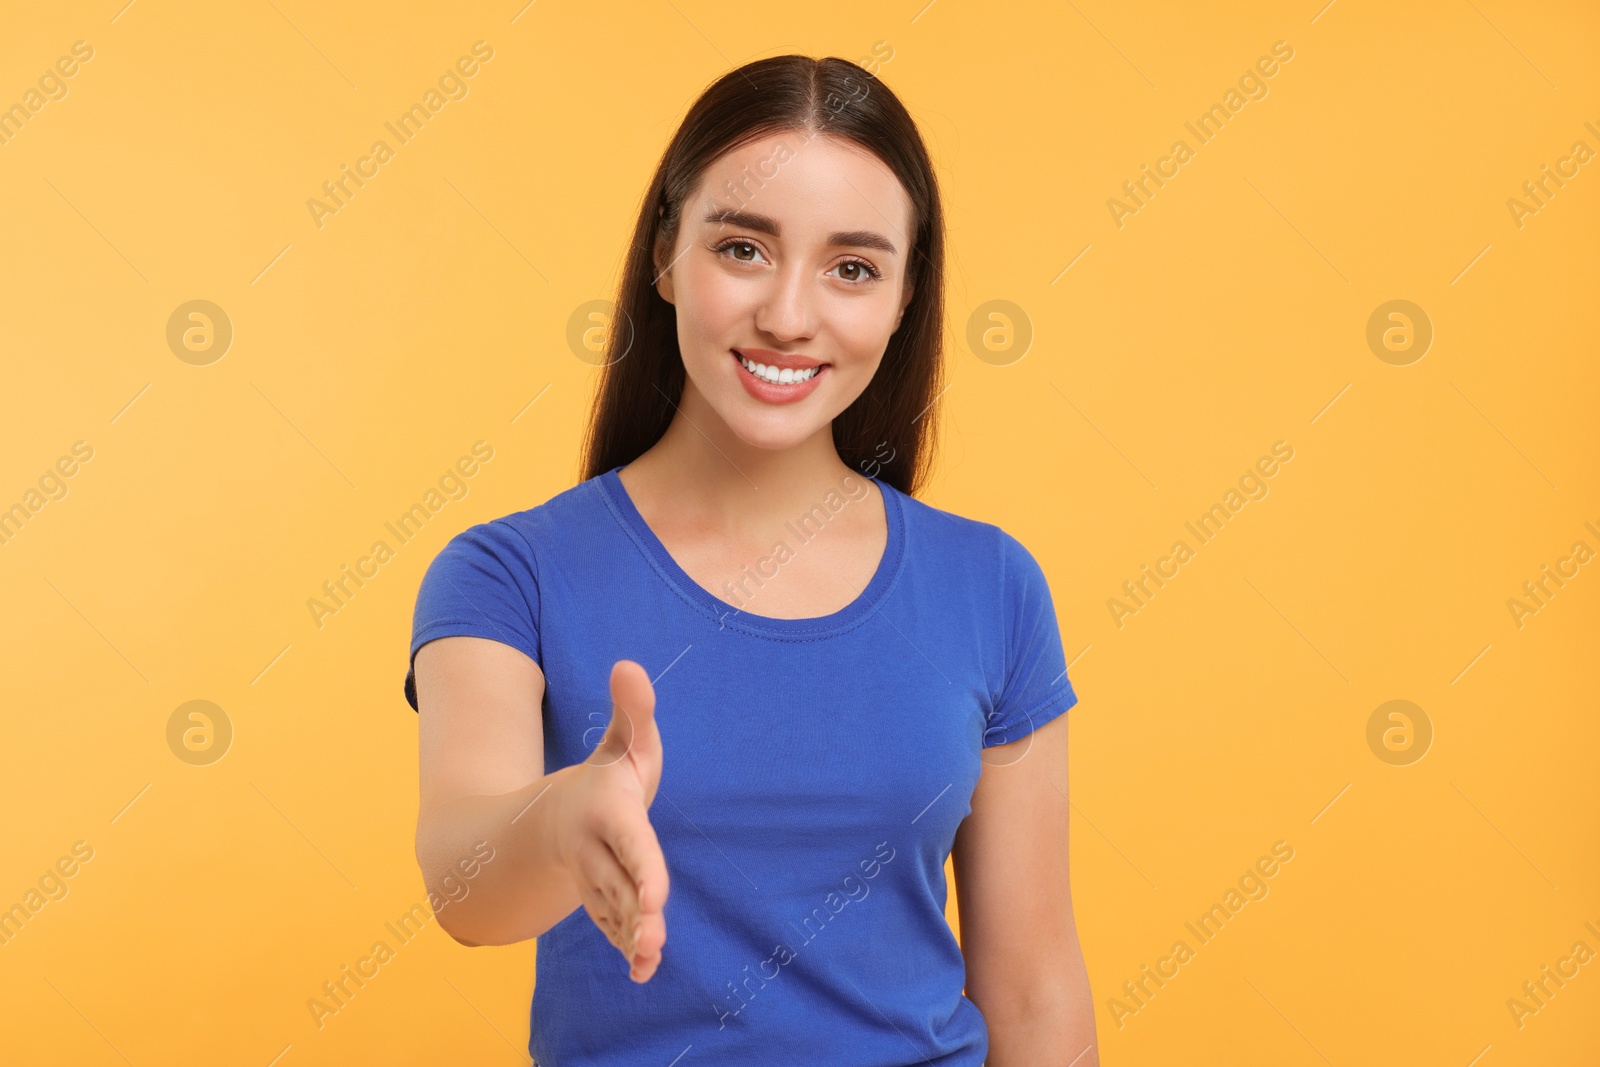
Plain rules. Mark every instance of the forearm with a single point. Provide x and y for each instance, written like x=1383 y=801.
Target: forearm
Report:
x=525 y=890
x=1048 y=1024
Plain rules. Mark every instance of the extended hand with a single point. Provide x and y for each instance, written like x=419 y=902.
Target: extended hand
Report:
x=603 y=834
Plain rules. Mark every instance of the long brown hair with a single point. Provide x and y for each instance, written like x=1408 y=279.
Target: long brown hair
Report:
x=895 y=417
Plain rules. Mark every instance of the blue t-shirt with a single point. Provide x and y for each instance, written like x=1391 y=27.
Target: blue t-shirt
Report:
x=814 y=772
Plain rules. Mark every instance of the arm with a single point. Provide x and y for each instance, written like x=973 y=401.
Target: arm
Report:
x=1025 y=968
x=580 y=837
x=482 y=763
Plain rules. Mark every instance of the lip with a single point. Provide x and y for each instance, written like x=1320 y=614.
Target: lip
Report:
x=781 y=360
x=766 y=391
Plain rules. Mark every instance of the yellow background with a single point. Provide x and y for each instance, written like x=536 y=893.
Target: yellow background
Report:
x=1229 y=313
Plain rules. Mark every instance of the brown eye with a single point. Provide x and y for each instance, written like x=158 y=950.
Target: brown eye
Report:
x=864 y=272
x=735 y=244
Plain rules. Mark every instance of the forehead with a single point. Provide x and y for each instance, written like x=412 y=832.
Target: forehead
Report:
x=810 y=188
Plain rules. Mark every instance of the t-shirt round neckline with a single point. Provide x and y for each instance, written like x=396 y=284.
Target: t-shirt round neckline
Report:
x=725 y=614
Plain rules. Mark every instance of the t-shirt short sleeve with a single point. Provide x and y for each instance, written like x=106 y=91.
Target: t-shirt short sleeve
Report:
x=1036 y=688
x=483 y=583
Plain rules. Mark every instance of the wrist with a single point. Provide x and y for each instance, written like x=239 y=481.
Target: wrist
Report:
x=554 y=823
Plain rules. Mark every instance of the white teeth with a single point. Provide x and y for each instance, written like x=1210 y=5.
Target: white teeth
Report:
x=786 y=376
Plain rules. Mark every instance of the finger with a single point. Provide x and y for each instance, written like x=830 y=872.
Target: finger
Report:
x=633 y=704
x=600 y=912
x=608 y=892
x=607 y=925
x=638 y=853
x=649 y=944
x=637 y=849
x=609 y=877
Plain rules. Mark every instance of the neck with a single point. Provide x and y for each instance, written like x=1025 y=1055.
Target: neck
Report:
x=701 y=467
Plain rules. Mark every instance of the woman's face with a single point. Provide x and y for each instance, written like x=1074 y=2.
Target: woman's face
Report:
x=791 y=254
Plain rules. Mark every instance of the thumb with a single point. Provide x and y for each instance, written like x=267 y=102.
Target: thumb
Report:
x=633 y=705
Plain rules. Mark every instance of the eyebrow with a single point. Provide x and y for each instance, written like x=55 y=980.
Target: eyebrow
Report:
x=749 y=220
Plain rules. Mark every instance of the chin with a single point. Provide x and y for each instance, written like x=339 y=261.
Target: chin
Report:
x=775 y=434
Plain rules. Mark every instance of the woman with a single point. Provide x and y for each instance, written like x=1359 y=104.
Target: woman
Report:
x=847 y=679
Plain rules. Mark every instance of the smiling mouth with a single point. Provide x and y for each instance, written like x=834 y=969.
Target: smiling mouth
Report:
x=776 y=376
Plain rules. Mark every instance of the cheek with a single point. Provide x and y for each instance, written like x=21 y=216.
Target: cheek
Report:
x=709 y=303
x=862 y=329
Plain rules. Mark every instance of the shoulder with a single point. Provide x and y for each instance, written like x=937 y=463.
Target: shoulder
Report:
x=958 y=536
x=520 y=537
x=575 y=504
x=977 y=561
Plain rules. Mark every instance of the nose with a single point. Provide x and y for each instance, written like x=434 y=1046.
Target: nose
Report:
x=788 y=309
